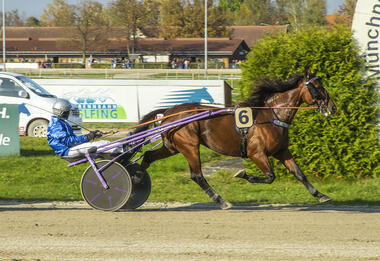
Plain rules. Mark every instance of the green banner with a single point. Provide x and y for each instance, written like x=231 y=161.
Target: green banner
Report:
x=9 y=133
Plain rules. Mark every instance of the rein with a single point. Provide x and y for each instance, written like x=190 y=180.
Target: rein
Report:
x=212 y=108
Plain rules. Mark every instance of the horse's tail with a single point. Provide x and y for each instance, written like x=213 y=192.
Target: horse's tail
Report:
x=148 y=117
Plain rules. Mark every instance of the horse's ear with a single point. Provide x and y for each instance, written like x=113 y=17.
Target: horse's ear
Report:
x=307 y=73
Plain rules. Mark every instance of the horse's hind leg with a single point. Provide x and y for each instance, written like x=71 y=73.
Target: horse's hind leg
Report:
x=262 y=162
x=191 y=153
x=287 y=159
x=154 y=155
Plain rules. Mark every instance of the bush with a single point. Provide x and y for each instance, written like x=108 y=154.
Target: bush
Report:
x=345 y=144
x=102 y=66
x=150 y=66
x=68 y=65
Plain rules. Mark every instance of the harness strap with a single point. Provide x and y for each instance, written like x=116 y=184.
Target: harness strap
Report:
x=277 y=121
x=281 y=124
x=243 y=144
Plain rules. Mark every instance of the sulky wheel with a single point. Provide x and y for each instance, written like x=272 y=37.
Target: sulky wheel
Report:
x=141 y=187
x=113 y=198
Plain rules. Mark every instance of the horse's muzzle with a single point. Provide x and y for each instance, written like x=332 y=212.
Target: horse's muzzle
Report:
x=327 y=110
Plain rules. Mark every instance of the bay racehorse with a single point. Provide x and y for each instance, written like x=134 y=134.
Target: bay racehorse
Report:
x=268 y=136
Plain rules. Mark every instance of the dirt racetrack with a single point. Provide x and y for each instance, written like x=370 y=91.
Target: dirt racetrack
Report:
x=73 y=231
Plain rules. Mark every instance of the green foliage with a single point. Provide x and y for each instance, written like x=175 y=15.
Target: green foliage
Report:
x=254 y=12
x=181 y=18
x=68 y=65
x=345 y=144
x=296 y=13
x=233 y=5
x=58 y=13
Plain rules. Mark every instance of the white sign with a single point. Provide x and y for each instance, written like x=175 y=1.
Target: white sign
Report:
x=366 y=30
x=20 y=65
x=3 y=113
x=156 y=59
x=4 y=141
x=129 y=100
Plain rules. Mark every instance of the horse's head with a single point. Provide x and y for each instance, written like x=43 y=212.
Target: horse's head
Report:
x=315 y=94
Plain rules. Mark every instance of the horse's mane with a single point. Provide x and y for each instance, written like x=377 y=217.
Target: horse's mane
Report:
x=267 y=87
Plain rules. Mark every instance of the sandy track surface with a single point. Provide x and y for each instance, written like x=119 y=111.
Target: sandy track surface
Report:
x=73 y=231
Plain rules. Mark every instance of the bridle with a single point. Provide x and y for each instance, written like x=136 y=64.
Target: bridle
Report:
x=318 y=99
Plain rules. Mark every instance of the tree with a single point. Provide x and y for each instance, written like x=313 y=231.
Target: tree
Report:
x=193 y=19
x=186 y=19
x=217 y=20
x=90 y=26
x=32 y=22
x=13 y=18
x=314 y=12
x=244 y=16
x=130 y=15
x=171 y=18
x=301 y=13
x=150 y=18
x=346 y=12
x=232 y=5
x=345 y=144
x=295 y=11
x=151 y=12
x=254 y=12
x=280 y=15
x=58 y=13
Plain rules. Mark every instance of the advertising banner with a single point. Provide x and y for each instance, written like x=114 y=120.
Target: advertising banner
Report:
x=163 y=94
x=97 y=100
x=9 y=135
x=366 y=30
x=129 y=100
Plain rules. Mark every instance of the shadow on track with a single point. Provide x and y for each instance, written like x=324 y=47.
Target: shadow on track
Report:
x=262 y=207
x=157 y=207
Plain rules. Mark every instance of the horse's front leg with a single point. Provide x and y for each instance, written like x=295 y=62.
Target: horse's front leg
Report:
x=287 y=159
x=191 y=154
x=262 y=162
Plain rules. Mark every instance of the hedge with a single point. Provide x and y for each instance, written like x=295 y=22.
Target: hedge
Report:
x=68 y=65
x=345 y=144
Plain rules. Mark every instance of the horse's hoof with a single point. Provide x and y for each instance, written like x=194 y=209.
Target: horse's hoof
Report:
x=324 y=199
x=240 y=174
x=225 y=205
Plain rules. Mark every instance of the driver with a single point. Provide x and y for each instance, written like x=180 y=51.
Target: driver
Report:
x=62 y=139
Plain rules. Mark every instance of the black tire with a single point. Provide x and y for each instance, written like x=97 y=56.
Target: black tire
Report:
x=38 y=128
x=140 y=189
x=113 y=198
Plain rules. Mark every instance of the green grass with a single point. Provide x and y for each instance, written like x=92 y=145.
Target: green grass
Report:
x=40 y=175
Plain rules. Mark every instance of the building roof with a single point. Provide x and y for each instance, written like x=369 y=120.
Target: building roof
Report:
x=331 y=18
x=144 y=46
x=250 y=34
x=58 y=40
x=336 y=18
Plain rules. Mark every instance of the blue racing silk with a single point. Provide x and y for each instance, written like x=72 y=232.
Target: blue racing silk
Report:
x=61 y=136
